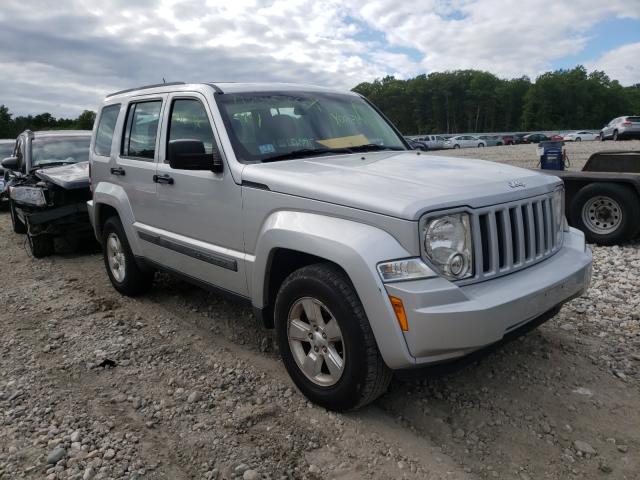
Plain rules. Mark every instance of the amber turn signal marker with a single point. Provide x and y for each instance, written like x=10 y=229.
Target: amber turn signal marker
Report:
x=398 y=308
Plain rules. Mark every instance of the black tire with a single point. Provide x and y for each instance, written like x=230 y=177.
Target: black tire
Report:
x=456 y=146
x=578 y=139
x=136 y=280
x=480 y=145
x=16 y=224
x=365 y=376
x=41 y=245
x=602 y=139
x=615 y=136
x=626 y=198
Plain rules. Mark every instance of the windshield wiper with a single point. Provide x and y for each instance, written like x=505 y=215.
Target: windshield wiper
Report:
x=371 y=147
x=305 y=152
x=52 y=164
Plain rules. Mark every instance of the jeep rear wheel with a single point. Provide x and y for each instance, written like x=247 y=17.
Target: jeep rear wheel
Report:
x=16 y=224
x=325 y=339
x=41 y=245
x=125 y=274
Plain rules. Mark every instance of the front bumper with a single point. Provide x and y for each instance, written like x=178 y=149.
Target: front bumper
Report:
x=447 y=321
x=68 y=220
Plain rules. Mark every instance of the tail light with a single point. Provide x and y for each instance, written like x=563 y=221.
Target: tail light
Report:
x=626 y=123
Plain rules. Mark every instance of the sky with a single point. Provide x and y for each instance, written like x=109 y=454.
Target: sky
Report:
x=63 y=56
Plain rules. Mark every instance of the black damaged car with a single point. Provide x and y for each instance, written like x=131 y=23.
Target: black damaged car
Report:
x=48 y=178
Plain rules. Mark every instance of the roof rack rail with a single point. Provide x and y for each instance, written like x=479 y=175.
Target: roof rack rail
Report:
x=215 y=87
x=155 y=85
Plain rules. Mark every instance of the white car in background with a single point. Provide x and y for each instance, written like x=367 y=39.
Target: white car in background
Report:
x=464 y=141
x=581 y=135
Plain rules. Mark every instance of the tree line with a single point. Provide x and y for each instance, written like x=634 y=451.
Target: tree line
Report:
x=457 y=101
x=478 y=101
x=11 y=127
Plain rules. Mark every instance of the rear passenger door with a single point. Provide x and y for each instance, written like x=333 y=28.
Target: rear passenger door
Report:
x=134 y=165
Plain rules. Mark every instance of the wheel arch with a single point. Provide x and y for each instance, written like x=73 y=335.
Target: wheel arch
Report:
x=290 y=240
x=109 y=200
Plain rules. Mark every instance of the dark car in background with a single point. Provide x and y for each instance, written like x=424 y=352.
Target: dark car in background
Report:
x=49 y=187
x=518 y=138
x=535 y=138
x=6 y=150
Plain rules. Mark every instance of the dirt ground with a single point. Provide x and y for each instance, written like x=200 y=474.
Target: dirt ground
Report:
x=525 y=155
x=181 y=384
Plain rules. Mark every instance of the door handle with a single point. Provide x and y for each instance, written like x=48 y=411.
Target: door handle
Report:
x=167 y=179
x=117 y=171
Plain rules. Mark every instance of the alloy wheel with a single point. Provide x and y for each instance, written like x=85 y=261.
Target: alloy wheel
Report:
x=116 y=257
x=315 y=340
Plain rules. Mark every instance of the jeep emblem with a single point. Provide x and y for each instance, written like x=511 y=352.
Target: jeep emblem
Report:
x=516 y=184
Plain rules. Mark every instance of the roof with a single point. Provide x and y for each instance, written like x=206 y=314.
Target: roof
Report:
x=227 y=87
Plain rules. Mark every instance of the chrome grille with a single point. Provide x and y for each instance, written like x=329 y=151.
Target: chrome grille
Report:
x=512 y=236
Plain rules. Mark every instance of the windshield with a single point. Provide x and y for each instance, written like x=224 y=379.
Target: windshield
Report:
x=6 y=149
x=59 y=150
x=271 y=125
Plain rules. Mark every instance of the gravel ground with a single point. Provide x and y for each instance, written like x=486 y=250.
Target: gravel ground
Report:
x=525 y=155
x=181 y=384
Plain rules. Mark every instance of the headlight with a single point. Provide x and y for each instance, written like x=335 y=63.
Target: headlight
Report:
x=407 y=269
x=28 y=195
x=558 y=214
x=447 y=244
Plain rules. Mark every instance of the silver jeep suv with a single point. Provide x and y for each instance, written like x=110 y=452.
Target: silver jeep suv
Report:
x=306 y=203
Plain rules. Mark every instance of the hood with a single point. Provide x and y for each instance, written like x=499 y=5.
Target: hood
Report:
x=400 y=184
x=68 y=177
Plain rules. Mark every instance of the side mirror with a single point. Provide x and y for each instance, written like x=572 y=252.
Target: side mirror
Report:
x=190 y=155
x=10 y=163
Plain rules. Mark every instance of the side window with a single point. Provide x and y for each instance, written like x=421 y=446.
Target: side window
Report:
x=189 y=121
x=104 y=132
x=141 y=130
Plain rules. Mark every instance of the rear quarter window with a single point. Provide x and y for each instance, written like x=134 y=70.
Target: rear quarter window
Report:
x=106 y=127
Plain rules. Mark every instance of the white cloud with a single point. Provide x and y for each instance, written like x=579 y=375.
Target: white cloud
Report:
x=78 y=49
x=620 y=64
x=507 y=37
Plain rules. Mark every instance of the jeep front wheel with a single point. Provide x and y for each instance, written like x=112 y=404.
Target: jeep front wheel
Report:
x=325 y=339
x=125 y=274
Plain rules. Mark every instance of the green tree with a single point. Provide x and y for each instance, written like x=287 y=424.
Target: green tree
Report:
x=85 y=120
